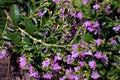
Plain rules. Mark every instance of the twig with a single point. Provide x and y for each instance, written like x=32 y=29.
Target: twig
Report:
x=40 y=41
x=8 y=17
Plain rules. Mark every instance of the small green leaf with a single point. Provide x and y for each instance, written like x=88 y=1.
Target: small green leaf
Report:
x=20 y=1
x=2 y=22
x=8 y=35
x=29 y=27
x=26 y=40
x=15 y=14
x=76 y=3
x=87 y=37
x=16 y=39
x=3 y=3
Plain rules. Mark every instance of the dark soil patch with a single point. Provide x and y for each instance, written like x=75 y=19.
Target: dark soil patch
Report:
x=9 y=69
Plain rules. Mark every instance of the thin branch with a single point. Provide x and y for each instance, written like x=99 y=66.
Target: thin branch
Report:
x=8 y=17
x=40 y=41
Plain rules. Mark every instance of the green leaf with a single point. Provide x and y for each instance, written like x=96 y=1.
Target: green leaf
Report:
x=111 y=72
x=76 y=3
x=87 y=11
x=29 y=26
x=8 y=35
x=3 y=3
x=15 y=14
x=16 y=39
x=87 y=37
x=2 y=22
x=20 y=1
x=27 y=40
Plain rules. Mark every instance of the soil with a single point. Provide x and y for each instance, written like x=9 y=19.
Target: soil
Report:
x=9 y=69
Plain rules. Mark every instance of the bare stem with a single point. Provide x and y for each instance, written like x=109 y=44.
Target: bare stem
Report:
x=40 y=41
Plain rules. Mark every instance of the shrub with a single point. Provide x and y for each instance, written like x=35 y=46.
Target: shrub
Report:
x=63 y=39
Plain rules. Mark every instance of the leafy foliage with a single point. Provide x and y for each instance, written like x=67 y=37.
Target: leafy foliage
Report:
x=64 y=33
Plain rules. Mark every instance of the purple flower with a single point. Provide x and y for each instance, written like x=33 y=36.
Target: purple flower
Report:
x=46 y=49
x=79 y=15
x=83 y=55
x=115 y=63
x=76 y=68
x=62 y=10
x=87 y=23
x=23 y=34
x=63 y=78
x=56 y=1
x=90 y=29
x=75 y=25
x=81 y=63
x=74 y=47
x=91 y=46
x=95 y=75
x=33 y=72
x=22 y=61
x=2 y=53
x=96 y=6
x=77 y=77
x=1 y=56
x=98 y=55
x=56 y=67
x=62 y=15
x=57 y=57
x=107 y=7
x=72 y=13
x=104 y=59
x=69 y=59
x=82 y=43
x=96 y=24
x=30 y=68
x=71 y=76
x=116 y=28
x=98 y=41
x=53 y=28
x=98 y=31
x=92 y=64
x=46 y=33
x=68 y=71
x=74 y=54
x=88 y=53
x=40 y=14
x=45 y=63
x=112 y=41
x=47 y=76
x=84 y=2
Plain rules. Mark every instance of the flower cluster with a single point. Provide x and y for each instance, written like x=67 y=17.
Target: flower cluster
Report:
x=66 y=39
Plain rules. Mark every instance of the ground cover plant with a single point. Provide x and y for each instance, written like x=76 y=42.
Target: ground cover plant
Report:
x=62 y=39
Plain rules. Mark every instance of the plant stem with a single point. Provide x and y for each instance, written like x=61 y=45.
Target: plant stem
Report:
x=40 y=41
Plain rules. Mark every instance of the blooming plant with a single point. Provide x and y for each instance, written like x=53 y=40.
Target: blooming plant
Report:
x=63 y=39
